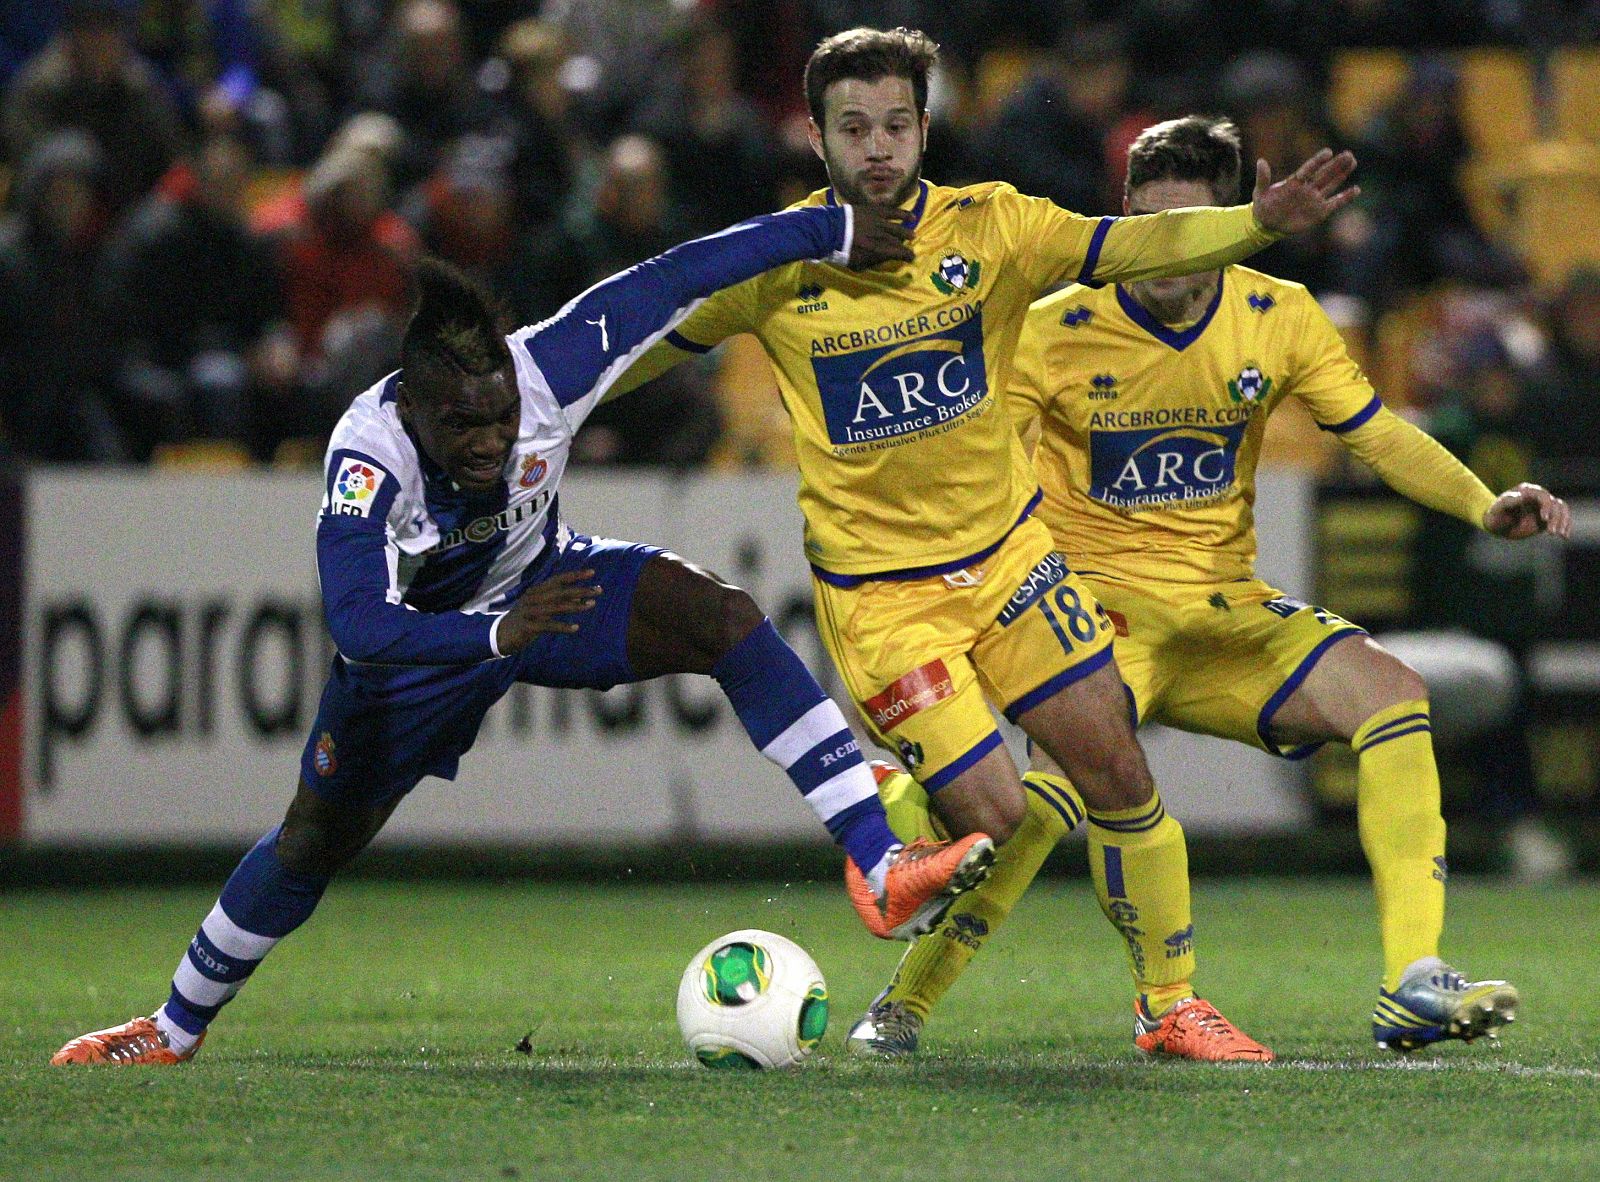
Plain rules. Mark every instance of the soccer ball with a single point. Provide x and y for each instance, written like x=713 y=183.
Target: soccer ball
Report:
x=752 y=1000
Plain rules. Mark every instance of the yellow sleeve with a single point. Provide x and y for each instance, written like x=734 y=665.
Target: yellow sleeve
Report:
x=1342 y=401
x=1417 y=466
x=1322 y=374
x=1172 y=242
x=722 y=315
x=1052 y=246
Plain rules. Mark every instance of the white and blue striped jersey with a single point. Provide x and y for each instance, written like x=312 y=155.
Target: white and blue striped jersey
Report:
x=414 y=571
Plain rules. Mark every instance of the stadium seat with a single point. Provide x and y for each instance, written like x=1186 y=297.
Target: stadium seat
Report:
x=999 y=73
x=202 y=455
x=299 y=451
x=1495 y=102
x=1365 y=549
x=1557 y=189
x=1575 y=92
x=1361 y=82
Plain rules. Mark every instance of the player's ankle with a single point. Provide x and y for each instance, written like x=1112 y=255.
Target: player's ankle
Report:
x=1158 y=999
x=178 y=1037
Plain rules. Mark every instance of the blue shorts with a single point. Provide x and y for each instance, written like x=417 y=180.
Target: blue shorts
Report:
x=381 y=728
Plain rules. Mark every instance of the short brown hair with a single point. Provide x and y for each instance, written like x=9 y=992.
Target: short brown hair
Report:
x=1194 y=148
x=868 y=55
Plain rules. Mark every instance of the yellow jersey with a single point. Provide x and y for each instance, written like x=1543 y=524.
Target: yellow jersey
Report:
x=893 y=377
x=1149 y=436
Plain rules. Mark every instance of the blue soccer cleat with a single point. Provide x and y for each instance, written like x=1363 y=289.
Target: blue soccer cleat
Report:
x=1433 y=1002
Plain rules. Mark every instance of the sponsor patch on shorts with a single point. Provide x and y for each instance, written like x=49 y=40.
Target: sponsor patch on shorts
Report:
x=916 y=691
x=1050 y=571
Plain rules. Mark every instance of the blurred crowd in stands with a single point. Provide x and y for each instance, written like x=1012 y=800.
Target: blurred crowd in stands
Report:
x=212 y=205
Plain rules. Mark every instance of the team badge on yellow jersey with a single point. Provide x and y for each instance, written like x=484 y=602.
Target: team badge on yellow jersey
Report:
x=955 y=273
x=1250 y=387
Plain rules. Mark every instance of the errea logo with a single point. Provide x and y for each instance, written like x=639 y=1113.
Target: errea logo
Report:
x=810 y=297
x=1103 y=387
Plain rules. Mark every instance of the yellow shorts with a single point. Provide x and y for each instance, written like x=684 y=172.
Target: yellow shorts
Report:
x=1217 y=659
x=922 y=658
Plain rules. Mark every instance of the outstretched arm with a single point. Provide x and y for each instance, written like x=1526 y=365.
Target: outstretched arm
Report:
x=583 y=348
x=1184 y=241
x=1418 y=466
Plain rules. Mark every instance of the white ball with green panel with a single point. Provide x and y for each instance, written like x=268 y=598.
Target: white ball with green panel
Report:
x=752 y=1000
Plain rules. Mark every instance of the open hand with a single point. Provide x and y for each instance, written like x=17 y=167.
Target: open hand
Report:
x=537 y=609
x=1308 y=196
x=1526 y=510
x=881 y=236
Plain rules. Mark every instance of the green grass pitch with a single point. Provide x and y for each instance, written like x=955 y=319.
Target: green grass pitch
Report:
x=378 y=1043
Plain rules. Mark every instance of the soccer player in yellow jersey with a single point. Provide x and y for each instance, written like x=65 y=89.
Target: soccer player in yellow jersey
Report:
x=1151 y=400
x=937 y=590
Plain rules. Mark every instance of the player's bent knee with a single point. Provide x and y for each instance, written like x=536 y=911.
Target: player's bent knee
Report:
x=1115 y=778
x=997 y=814
x=998 y=819
x=1398 y=682
x=318 y=838
x=710 y=617
x=738 y=615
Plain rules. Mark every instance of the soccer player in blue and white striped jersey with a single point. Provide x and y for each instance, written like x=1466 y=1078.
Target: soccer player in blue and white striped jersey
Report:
x=448 y=575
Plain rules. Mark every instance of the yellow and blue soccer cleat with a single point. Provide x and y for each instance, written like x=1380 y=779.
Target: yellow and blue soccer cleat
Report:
x=1433 y=1002
x=888 y=1030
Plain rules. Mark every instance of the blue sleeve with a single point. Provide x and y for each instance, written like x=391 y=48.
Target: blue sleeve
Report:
x=587 y=345
x=353 y=568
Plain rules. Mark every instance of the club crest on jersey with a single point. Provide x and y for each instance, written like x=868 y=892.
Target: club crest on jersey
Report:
x=324 y=757
x=354 y=487
x=534 y=469
x=956 y=274
x=1250 y=387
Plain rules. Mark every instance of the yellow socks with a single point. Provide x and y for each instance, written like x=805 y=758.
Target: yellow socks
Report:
x=1402 y=832
x=932 y=964
x=1140 y=866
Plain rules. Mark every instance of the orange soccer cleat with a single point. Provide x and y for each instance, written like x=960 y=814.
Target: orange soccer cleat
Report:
x=137 y=1041
x=923 y=879
x=1193 y=1029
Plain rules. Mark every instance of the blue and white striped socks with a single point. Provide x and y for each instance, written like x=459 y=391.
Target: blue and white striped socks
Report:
x=799 y=728
x=262 y=902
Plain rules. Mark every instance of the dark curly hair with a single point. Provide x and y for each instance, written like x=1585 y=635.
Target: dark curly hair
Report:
x=457 y=330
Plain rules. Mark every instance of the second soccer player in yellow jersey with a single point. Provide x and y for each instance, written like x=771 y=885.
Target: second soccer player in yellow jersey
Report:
x=1150 y=401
